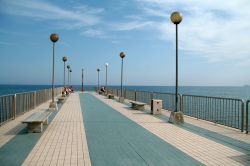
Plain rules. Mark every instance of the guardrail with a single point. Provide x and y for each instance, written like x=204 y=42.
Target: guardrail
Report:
x=143 y=96
x=85 y=88
x=130 y=94
x=17 y=104
x=168 y=99
x=224 y=111
x=247 y=115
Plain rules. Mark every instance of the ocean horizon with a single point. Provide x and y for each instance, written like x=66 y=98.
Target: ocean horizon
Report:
x=240 y=92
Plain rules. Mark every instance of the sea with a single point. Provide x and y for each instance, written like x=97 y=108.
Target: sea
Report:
x=12 y=89
x=239 y=92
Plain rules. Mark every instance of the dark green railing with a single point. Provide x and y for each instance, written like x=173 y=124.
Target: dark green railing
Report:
x=225 y=111
x=168 y=99
x=247 y=115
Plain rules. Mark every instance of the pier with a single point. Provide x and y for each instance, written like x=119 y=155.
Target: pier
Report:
x=90 y=129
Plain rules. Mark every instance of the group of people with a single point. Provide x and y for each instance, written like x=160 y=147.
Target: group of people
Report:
x=67 y=90
x=103 y=89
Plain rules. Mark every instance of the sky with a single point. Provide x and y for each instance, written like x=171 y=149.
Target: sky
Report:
x=214 y=41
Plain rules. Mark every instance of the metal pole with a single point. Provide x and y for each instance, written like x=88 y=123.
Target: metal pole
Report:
x=68 y=77
x=64 y=75
x=82 y=80
x=242 y=115
x=121 y=77
x=34 y=98
x=247 y=106
x=53 y=73
x=14 y=106
x=176 y=85
x=98 y=80
x=106 y=78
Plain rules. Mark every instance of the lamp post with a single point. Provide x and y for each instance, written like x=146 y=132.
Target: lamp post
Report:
x=82 y=80
x=70 y=77
x=68 y=67
x=106 y=85
x=122 y=55
x=176 y=116
x=64 y=60
x=54 y=38
x=98 y=88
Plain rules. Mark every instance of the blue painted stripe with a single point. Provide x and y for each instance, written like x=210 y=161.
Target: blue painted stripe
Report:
x=15 y=151
x=115 y=140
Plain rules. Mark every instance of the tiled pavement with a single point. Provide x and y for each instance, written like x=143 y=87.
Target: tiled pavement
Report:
x=205 y=150
x=64 y=141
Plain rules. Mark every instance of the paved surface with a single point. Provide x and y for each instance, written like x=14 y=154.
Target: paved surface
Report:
x=64 y=141
x=15 y=143
x=201 y=148
x=115 y=140
x=13 y=127
x=117 y=135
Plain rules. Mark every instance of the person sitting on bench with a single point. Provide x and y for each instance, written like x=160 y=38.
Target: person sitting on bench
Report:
x=103 y=89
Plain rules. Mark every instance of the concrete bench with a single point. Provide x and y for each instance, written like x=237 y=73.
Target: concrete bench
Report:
x=111 y=96
x=36 y=120
x=137 y=105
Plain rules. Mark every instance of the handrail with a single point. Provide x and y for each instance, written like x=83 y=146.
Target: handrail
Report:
x=16 y=104
x=221 y=110
x=216 y=97
x=247 y=111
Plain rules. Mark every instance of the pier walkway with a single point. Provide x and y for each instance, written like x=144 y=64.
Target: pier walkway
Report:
x=90 y=129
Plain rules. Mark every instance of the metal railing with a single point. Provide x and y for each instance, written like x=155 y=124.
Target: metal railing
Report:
x=143 y=96
x=6 y=108
x=168 y=100
x=17 y=104
x=224 y=111
x=247 y=115
x=130 y=94
x=85 y=88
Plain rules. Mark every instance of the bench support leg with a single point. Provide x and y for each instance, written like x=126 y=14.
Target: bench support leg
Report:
x=35 y=127
x=46 y=122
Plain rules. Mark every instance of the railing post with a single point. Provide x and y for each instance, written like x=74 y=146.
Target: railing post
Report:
x=151 y=102
x=124 y=91
x=34 y=98
x=247 y=104
x=151 y=95
x=181 y=103
x=242 y=115
x=135 y=95
x=14 y=106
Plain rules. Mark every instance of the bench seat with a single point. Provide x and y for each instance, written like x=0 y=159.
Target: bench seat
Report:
x=36 y=120
x=137 y=105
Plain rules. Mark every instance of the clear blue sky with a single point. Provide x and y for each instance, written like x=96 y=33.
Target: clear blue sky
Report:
x=214 y=41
